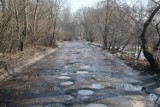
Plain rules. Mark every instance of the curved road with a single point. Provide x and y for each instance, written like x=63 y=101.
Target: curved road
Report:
x=76 y=75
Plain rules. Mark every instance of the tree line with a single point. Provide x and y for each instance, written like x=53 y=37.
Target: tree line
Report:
x=122 y=26
x=25 y=23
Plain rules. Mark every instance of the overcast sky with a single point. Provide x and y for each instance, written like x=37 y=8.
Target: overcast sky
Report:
x=76 y=4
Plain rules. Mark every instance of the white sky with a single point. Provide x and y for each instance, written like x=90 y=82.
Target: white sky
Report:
x=76 y=4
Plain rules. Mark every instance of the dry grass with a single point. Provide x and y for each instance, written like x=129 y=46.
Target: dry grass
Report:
x=15 y=60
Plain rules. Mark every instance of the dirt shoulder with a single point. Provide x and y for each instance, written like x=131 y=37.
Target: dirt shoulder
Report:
x=11 y=63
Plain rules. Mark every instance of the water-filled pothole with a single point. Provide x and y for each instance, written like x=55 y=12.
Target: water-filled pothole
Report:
x=97 y=86
x=64 y=98
x=96 y=105
x=128 y=87
x=54 y=105
x=153 y=98
x=67 y=67
x=67 y=83
x=64 y=74
x=82 y=72
x=85 y=92
x=64 y=77
x=85 y=67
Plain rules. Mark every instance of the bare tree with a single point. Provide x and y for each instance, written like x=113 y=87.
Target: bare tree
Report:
x=149 y=51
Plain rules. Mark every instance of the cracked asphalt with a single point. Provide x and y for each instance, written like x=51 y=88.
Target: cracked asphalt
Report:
x=76 y=75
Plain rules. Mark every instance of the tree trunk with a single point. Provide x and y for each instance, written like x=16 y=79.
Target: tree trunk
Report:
x=17 y=23
x=3 y=3
x=54 y=29
x=35 y=22
x=150 y=57
x=148 y=51
x=26 y=25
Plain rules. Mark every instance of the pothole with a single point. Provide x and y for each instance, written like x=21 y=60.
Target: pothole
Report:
x=97 y=86
x=128 y=87
x=82 y=72
x=64 y=74
x=85 y=67
x=85 y=92
x=67 y=83
x=64 y=77
x=64 y=98
x=96 y=105
x=54 y=105
x=153 y=98
x=67 y=67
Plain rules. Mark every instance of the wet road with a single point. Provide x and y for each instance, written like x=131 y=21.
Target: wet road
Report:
x=76 y=75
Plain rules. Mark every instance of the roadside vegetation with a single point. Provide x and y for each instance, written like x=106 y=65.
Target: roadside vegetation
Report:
x=129 y=30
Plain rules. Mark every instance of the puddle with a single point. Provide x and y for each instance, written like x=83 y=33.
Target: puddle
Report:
x=66 y=83
x=64 y=74
x=82 y=72
x=34 y=76
x=28 y=87
x=85 y=92
x=97 y=86
x=85 y=67
x=3 y=105
x=54 y=105
x=64 y=77
x=153 y=97
x=128 y=87
x=18 y=93
x=96 y=105
x=57 y=70
x=64 y=98
x=67 y=67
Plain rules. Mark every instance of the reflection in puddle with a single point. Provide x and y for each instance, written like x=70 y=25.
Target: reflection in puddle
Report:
x=64 y=74
x=85 y=67
x=54 y=105
x=96 y=105
x=64 y=77
x=67 y=67
x=3 y=105
x=28 y=87
x=66 y=83
x=18 y=93
x=66 y=97
x=97 y=86
x=153 y=97
x=85 y=92
x=34 y=76
x=82 y=72
x=128 y=87
x=57 y=70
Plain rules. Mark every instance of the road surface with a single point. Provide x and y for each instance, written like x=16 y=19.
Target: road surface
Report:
x=76 y=75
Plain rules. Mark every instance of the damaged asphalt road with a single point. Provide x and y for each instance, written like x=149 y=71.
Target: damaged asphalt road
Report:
x=77 y=75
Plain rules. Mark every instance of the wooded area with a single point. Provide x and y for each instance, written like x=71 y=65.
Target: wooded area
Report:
x=120 y=26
